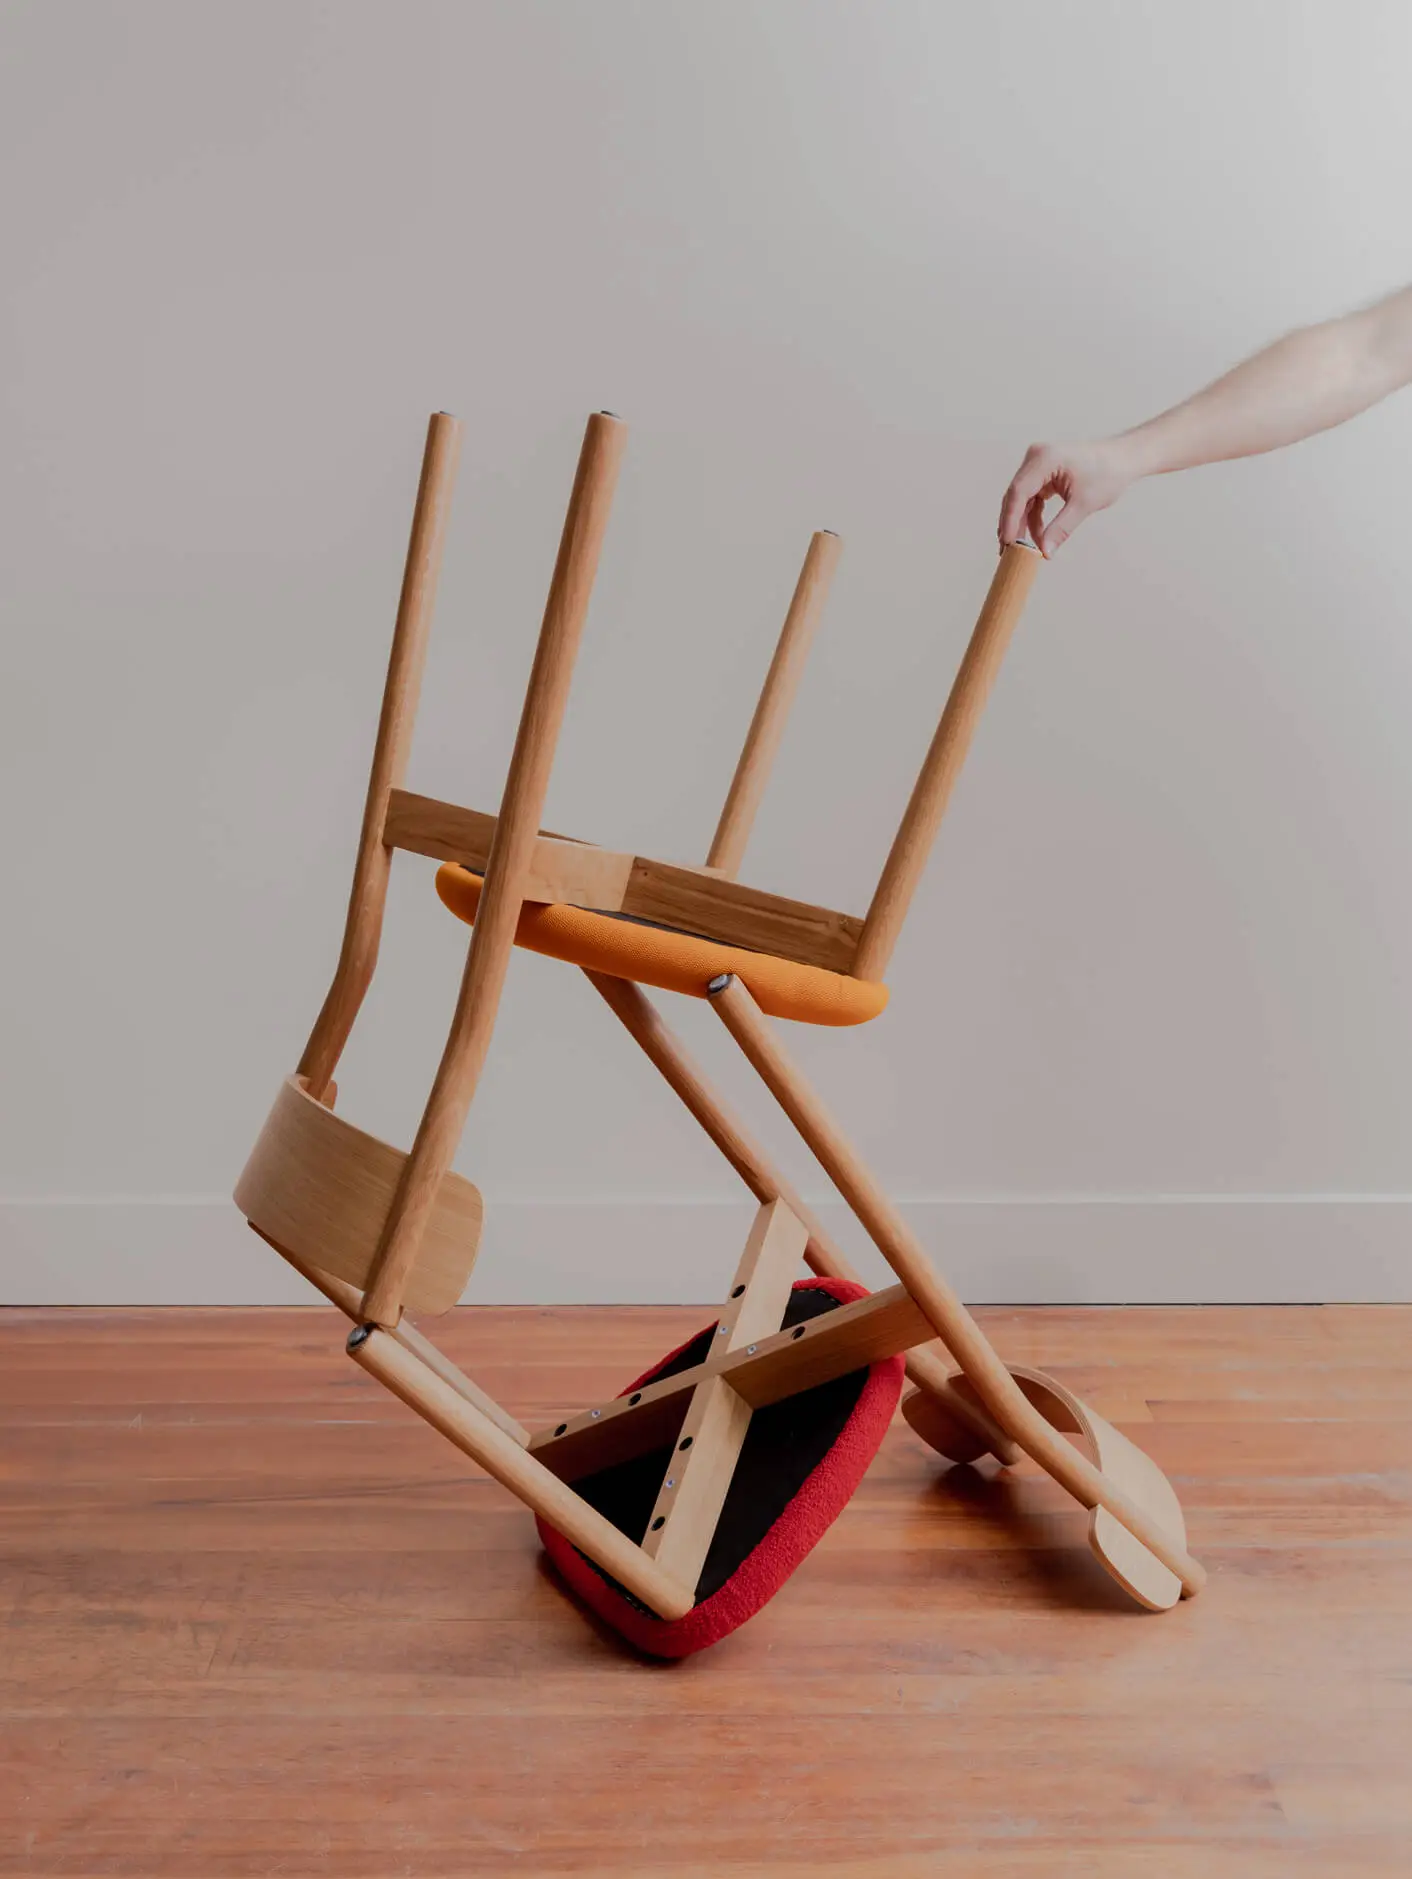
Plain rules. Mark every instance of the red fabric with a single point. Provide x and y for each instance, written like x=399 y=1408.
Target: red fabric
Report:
x=793 y=1536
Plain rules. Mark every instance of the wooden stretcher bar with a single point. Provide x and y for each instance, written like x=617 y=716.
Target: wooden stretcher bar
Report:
x=694 y=900
x=762 y=1372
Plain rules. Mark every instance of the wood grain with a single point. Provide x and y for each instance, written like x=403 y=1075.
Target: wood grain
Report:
x=669 y=893
x=765 y=1372
x=560 y=869
x=996 y=1389
x=682 y=1523
x=319 y=1189
x=254 y=1618
x=738 y=915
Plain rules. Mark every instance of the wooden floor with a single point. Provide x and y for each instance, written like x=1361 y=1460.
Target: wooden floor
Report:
x=256 y=1619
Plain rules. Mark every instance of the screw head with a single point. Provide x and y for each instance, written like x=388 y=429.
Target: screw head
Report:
x=359 y=1336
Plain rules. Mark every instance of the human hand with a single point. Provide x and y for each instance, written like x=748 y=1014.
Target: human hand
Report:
x=1087 y=477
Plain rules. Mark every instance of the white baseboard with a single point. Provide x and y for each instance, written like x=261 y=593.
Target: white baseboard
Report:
x=1151 y=1250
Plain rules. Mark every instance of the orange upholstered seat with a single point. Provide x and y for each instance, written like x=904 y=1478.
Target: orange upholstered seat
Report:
x=677 y=962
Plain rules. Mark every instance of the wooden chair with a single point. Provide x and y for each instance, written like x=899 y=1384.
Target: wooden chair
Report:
x=378 y=1231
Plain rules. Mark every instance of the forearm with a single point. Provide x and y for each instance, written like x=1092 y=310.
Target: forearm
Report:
x=1308 y=381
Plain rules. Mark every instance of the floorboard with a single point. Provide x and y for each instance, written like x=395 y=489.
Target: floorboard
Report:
x=255 y=1618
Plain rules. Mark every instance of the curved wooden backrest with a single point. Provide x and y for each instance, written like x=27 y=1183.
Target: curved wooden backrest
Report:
x=322 y=1188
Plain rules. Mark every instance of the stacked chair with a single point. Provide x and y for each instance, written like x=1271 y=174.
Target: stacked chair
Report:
x=676 y=1509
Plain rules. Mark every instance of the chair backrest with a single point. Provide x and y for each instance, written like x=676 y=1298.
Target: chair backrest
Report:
x=319 y=1190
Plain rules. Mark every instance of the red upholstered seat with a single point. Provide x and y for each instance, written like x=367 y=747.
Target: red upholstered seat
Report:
x=800 y=1463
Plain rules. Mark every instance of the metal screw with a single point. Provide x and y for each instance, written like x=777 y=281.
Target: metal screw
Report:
x=595 y=1413
x=751 y=1349
x=359 y=1336
x=671 y=1482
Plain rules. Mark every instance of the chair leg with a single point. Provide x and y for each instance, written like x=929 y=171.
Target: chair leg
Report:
x=401 y=1371
x=1132 y=1493
x=349 y=1301
x=507 y=869
x=955 y=1425
x=699 y=1474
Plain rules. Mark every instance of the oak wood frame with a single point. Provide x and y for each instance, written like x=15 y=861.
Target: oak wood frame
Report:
x=1136 y=1528
x=762 y=740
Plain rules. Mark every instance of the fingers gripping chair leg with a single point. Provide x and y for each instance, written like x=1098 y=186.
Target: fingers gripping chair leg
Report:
x=507 y=871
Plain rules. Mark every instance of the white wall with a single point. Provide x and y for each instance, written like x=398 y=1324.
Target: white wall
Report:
x=836 y=264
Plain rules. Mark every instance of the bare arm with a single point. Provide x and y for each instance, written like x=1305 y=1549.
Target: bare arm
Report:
x=1308 y=381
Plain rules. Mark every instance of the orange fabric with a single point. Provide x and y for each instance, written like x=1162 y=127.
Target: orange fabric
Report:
x=678 y=962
